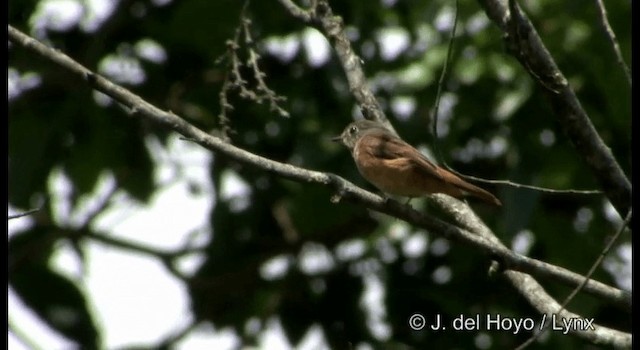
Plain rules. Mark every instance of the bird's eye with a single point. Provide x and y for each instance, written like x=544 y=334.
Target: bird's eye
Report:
x=353 y=130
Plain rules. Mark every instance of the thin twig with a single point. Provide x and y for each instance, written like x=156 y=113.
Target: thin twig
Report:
x=530 y=187
x=611 y=36
x=524 y=43
x=436 y=138
x=264 y=92
x=344 y=189
x=97 y=210
x=436 y=106
x=19 y=215
x=167 y=257
x=173 y=339
x=587 y=277
x=332 y=26
x=529 y=288
x=586 y=329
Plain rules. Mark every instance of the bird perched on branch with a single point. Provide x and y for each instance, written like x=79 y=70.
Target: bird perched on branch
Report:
x=396 y=168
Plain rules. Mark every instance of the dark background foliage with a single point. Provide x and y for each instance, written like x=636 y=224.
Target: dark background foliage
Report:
x=59 y=125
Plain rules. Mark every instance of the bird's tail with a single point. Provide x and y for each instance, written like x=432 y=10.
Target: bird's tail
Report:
x=481 y=194
x=461 y=188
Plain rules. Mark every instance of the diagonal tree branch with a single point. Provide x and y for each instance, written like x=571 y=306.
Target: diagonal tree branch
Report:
x=140 y=108
x=545 y=304
x=535 y=294
x=462 y=213
x=468 y=220
x=575 y=292
x=333 y=27
x=321 y=16
x=524 y=43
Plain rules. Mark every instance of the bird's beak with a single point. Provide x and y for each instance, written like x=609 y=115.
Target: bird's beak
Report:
x=336 y=139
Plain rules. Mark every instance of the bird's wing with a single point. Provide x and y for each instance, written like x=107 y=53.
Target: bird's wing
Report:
x=393 y=148
x=398 y=154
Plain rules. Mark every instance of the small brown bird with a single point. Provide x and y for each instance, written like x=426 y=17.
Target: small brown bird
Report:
x=396 y=168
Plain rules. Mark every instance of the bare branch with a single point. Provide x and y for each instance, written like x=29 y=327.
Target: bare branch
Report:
x=171 y=341
x=583 y=327
x=468 y=220
x=586 y=279
x=234 y=80
x=529 y=187
x=264 y=92
x=524 y=43
x=436 y=104
x=332 y=27
x=168 y=258
x=293 y=9
x=604 y=21
x=530 y=289
x=344 y=189
x=435 y=116
x=26 y=213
